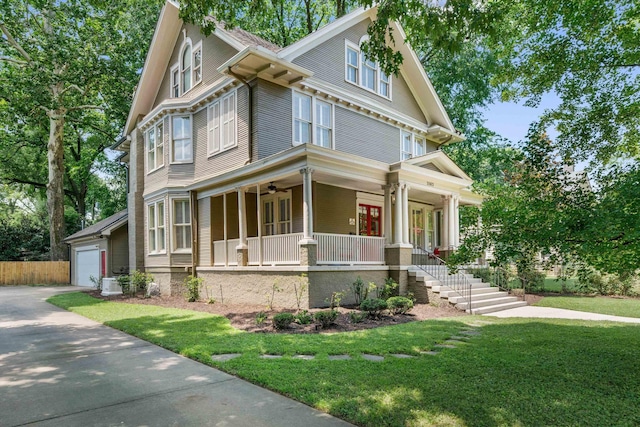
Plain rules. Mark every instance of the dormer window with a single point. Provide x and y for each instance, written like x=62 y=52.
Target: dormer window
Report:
x=187 y=72
x=365 y=73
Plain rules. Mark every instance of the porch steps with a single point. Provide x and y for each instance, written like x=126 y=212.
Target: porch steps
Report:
x=484 y=298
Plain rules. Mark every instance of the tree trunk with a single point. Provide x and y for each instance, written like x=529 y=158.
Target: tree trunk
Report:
x=55 y=186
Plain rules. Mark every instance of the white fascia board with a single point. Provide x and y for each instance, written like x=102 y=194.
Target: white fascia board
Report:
x=229 y=39
x=471 y=198
x=168 y=18
x=325 y=33
x=416 y=172
x=266 y=55
x=439 y=158
x=111 y=228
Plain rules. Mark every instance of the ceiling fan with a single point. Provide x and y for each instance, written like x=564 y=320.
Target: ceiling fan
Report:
x=272 y=189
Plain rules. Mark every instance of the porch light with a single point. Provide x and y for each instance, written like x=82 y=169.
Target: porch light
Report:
x=271 y=188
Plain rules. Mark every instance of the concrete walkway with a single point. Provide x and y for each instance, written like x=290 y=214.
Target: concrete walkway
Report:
x=560 y=313
x=58 y=368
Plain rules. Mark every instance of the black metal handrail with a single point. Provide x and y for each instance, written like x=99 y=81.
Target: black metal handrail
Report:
x=499 y=277
x=436 y=267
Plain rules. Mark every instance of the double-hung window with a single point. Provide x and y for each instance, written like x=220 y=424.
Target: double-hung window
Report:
x=187 y=72
x=155 y=146
x=276 y=214
x=361 y=71
x=412 y=145
x=155 y=228
x=181 y=225
x=312 y=121
x=222 y=121
x=185 y=68
x=197 y=64
x=181 y=148
x=175 y=81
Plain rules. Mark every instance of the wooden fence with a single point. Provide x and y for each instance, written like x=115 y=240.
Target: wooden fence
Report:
x=34 y=272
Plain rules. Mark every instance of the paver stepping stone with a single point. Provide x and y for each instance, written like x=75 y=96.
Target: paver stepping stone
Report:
x=373 y=357
x=430 y=352
x=224 y=357
x=402 y=356
x=454 y=342
x=304 y=356
x=445 y=346
x=455 y=337
x=471 y=333
x=340 y=357
x=271 y=356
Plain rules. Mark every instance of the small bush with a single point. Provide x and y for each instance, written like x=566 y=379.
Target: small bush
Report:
x=357 y=316
x=326 y=318
x=304 y=318
x=483 y=273
x=261 y=318
x=360 y=290
x=399 y=305
x=533 y=280
x=193 y=288
x=374 y=307
x=139 y=281
x=388 y=289
x=282 y=320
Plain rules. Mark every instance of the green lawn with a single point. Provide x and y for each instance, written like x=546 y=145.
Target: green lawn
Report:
x=553 y=285
x=603 y=305
x=527 y=372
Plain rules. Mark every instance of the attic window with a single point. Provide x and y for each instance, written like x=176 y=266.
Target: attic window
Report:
x=364 y=73
x=187 y=72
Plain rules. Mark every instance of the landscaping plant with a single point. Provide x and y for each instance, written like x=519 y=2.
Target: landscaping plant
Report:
x=399 y=305
x=192 y=285
x=326 y=318
x=282 y=320
x=374 y=307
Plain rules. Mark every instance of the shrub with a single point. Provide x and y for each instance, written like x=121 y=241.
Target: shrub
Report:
x=193 y=288
x=139 y=280
x=125 y=283
x=357 y=316
x=360 y=291
x=399 y=305
x=326 y=318
x=304 y=318
x=374 y=306
x=388 y=289
x=261 y=317
x=483 y=273
x=533 y=280
x=97 y=282
x=282 y=320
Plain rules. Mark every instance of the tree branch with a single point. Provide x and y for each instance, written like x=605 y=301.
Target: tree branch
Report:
x=15 y=61
x=14 y=43
x=85 y=107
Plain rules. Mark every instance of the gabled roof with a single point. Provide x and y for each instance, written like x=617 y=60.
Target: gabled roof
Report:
x=440 y=160
x=104 y=227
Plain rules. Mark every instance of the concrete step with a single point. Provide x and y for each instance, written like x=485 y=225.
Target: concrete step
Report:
x=446 y=292
x=441 y=287
x=498 y=307
x=486 y=302
x=478 y=297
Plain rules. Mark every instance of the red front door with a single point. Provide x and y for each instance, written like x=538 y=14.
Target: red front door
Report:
x=370 y=217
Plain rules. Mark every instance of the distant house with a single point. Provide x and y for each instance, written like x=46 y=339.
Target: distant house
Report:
x=251 y=164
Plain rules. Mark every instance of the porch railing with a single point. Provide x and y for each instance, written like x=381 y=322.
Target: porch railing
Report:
x=456 y=280
x=276 y=250
x=219 y=254
x=349 y=249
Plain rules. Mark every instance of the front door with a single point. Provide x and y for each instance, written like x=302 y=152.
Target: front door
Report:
x=370 y=220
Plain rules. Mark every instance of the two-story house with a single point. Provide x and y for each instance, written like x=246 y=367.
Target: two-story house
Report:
x=251 y=164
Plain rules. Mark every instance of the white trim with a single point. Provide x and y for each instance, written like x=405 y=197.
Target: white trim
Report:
x=175 y=74
x=172 y=200
x=155 y=204
x=194 y=49
x=412 y=149
x=370 y=200
x=186 y=42
x=360 y=69
x=221 y=135
x=154 y=127
x=314 y=119
x=171 y=148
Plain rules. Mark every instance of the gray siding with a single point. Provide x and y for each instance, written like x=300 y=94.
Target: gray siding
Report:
x=327 y=61
x=333 y=206
x=204 y=231
x=272 y=119
x=215 y=52
x=364 y=136
x=118 y=252
x=159 y=178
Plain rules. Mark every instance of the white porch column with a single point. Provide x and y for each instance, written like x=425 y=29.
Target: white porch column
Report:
x=242 y=219
x=397 y=220
x=444 y=239
x=405 y=214
x=387 y=213
x=307 y=204
x=259 y=214
x=452 y=221
x=436 y=232
x=456 y=217
x=224 y=224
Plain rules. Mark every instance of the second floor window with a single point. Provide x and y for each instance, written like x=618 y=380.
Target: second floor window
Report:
x=412 y=146
x=181 y=147
x=365 y=73
x=312 y=121
x=222 y=124
x=155 y=146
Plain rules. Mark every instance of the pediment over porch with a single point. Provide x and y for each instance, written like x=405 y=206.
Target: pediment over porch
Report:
x=438 y=161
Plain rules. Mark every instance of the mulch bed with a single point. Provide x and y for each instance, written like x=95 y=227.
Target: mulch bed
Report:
x=243 y=316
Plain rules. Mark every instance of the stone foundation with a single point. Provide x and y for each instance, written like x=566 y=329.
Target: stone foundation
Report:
x=170 y=280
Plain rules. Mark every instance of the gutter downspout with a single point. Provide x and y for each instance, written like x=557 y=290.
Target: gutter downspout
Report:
x=194 y=232
x=246 y=83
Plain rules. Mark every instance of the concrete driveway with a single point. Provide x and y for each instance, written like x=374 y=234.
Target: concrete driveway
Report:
x=60 y=369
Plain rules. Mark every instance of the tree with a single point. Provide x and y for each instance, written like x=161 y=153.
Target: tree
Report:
x=68 y=68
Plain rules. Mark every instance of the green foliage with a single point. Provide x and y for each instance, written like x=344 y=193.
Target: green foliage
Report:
x=140 y=280
x=388 y=289
x=334 y=301
x=399 y=305
x=192 y=286
x=304 y=318
x=261 y=317
x=357 y=316
x=299 y=287
x=326 y=318
x=269 y=296
x=374 y=307
x=282 y=320
x=591 y=281
x=23 y=238
x=97 y=282
x=125 y=284
x=360 y=291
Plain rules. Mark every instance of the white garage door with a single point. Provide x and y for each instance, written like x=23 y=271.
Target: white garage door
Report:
x=87 y=265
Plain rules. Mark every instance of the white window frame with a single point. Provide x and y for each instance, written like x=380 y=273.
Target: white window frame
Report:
x=175 y=81
x=158 y=160
x=275 y=199
x=157 y=229
x=360 y=70
x=197 y=47
x=314 y=120
x=216 y=124
x=174 y=226
x=412 y=141
x=172 y=140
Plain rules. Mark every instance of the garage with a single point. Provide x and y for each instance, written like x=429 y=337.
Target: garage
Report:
x=100 y=250
x=87 y=264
